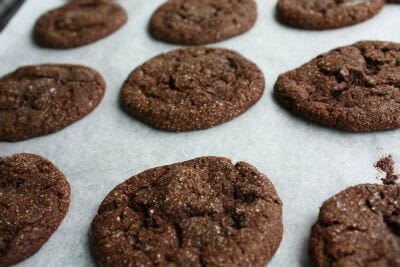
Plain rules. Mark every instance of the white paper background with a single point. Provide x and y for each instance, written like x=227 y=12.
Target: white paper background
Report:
x=306 y=162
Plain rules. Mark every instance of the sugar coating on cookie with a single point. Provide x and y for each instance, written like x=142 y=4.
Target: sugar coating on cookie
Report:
x=202 y=212
x=78 y=23
x=358 y=227
x=41 y=99
x=195 y=22
x=192 y=88
x=326 y=14
x=34 y=199
x=354 y=88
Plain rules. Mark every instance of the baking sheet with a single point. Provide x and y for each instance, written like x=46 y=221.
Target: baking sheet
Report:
x=306 y=162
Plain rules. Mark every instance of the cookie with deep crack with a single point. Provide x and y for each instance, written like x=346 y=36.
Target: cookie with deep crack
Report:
x=358 y=227
x=354 y=88
x=192 y=88
x=41 y=99
x=326 y=14
x=78 y=23
x=195 y=22
x=202 y=212
x=34 y=199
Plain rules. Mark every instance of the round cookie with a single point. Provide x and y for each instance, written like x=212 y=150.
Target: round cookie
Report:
x=354 y=88
x=202 y=212
x=326 y=14
x=78 y=23
x=34 y=199
x=192 y=88
x=42 y=99
x=359 y=227
x=195 y=22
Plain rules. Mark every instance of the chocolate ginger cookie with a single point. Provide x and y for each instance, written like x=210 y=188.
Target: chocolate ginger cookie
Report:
x=202 y=212
x=78 y=23
x=359 y=227
x=192 y=88
x=354 y=88
x=34 y=199
x=42 y=99
x=195 y=22
x=326 y=14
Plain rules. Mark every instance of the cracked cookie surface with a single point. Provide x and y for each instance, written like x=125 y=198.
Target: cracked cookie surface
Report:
x=354 y=88
x=359 y=227
x=42 y=99
x=195 y=22
x=34 y=199
x=78 y=23
x=326 y=14
x=202 y=212
x=192 y=88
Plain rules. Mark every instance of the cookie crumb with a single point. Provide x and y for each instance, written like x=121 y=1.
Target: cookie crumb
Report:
x=386 y=164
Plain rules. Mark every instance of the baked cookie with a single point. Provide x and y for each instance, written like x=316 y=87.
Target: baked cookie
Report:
x=354 y=88
x=326 y=14
x=34 y=199
x=192 y=88
x=359 y=227
x=195 y=22
x=42 y=99
x=202 y=212
x=78 y=23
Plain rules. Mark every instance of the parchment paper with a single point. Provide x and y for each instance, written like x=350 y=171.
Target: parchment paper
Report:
x=306 y=162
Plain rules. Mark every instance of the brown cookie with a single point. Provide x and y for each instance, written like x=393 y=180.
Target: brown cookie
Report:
x=78 y=23
x=326 y=14
x=195 y=22
x=359 y=227
x=354 y=88
x=34 y=199
x=202 y=212
x=42 y=99
x=193 y=88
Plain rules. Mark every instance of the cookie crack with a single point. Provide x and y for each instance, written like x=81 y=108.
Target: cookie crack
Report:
x=102 y=12
x=393 y=223
x=37 y=76
x=68 y=28
x=179 y=234
x=347 y=79
x=329 y=256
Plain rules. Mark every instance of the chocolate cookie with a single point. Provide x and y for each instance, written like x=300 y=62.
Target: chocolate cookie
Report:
x=34 y=199
x=326 y=14
x=78 y=23
x=202 y=212
x=354 y=88
x=359 y=227
x=194 y=22
x=193 y=88
x=42 y=99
